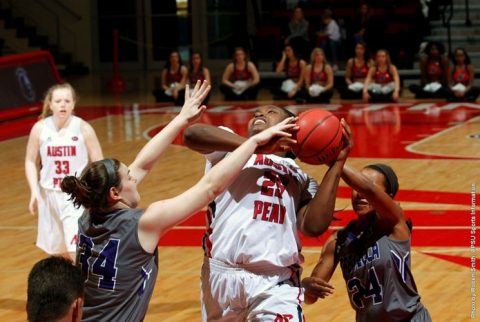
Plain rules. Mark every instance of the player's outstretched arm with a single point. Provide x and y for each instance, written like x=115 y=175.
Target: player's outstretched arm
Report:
x=317 y=286
x=151 y=152
x=206 y=139
x=162 y=215
x=315 y=217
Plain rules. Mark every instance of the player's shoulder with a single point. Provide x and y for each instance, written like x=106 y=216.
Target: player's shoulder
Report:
x=38 y=126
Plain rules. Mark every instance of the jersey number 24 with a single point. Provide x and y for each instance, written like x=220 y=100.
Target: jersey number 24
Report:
x=104 y=263
x=359 y=292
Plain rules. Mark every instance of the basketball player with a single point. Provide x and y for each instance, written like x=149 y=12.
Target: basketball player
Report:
x=117 y=248
x=65 y=144
x=373 y=252
x=55 y=291
x=252 y=248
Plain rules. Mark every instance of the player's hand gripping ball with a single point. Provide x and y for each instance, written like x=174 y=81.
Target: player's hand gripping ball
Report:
x=319 y=138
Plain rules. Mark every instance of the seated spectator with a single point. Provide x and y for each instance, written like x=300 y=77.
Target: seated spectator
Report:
x=197 y=72
x=383 y=82
x=434 y=71
x=318 y=78
x=173 y=80
x=361 y=23
x=294 y=69
x=297 y=33
x=330 y=37
x=355 y=73
x=240 y=78
x=462 y=78
x=55 y=291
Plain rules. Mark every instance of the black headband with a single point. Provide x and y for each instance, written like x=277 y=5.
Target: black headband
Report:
x=109 y=166
x=391 y=180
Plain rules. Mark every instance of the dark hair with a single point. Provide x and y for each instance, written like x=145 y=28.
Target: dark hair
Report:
x=168 y=64
x=53 y=285
x=468 y=61
x=391 y=179
x=91 y=189
x=190 y=65
x=430 y=44
x=296 y=54
x=366 y=53
x=235 y=52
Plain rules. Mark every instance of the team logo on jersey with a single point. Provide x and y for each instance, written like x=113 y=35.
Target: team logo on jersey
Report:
x=74 y=138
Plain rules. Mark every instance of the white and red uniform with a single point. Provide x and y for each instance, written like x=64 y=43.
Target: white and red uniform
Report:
x=252 y=248
x=62 y=153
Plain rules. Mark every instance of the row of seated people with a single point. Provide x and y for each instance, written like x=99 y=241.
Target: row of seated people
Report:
x=373 y=80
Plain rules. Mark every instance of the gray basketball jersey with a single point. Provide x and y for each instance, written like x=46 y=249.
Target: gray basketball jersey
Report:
x=119 y=274
x=378 y=277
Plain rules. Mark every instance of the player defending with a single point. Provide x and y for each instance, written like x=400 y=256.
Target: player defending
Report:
x=373 y=252
x=251 y=270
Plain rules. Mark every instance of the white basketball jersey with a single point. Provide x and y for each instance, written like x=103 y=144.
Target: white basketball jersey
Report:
x=253 y=223
x=62 y=153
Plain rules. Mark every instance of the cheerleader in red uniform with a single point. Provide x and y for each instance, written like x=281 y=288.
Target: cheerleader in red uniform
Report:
x=355 y=73
x=294 y=69
x=434 y=72
x=383 y=82
x=462 y=78
x=240 y=79
x=198 y=72
x=173 y=78
x=319 y=78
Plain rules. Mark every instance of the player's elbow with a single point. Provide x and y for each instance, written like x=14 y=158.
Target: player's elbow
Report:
x=212 y=187
x=313 y=228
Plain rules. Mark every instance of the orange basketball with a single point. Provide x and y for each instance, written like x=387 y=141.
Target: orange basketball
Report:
x=319 y=139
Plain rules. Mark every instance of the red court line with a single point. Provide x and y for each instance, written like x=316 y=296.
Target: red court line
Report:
x=430 y=228
x=464 y=261
x=456 y=198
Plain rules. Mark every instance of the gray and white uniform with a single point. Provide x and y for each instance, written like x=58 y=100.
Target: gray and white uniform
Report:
x=119 y=274
x=377 y=273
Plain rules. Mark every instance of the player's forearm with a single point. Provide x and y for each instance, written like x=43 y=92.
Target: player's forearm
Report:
x=162 y=215
x=32 y=176
x=207 y=138
x=320 y=209
x=152 y=151
x=225 y=172
x=357 y=181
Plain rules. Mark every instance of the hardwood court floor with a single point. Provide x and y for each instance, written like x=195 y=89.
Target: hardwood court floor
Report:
x=445 y=285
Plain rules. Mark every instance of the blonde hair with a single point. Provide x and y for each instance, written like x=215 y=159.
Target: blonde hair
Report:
x=315 y=51
x=46 y=111
x=387 y=56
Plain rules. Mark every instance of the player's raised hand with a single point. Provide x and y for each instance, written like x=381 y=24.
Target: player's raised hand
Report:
x=277 y=137
x=192 y=108
x=316 y=288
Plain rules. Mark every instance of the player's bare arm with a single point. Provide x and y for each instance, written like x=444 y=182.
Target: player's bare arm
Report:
x=206 y=139
x=31 y=158
x=315 y=217
x=317 y=286
x=151 y=152
x=389 y=214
